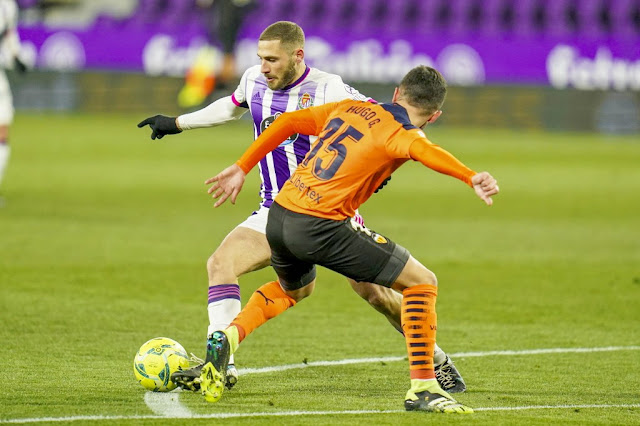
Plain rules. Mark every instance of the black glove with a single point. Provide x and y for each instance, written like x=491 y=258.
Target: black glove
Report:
x=161 y=125
x=19 y=66
x=384 y=182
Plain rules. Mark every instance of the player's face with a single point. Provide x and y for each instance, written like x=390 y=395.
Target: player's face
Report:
x=277 y=64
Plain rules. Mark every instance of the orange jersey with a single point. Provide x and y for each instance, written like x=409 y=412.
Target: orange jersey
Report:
x=360 y=144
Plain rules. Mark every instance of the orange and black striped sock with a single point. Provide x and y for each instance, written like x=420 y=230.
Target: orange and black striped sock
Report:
x=419 y=322
x=265 y=303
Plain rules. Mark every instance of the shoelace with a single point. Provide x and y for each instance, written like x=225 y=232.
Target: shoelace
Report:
x=195 y=360
x=445 y=377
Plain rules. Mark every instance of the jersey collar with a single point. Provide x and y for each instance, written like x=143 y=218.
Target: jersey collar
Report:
x=400 y=114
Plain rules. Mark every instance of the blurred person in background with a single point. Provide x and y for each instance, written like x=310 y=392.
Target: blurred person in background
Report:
x=9 y=58
x=224 y=21
x=282 y=82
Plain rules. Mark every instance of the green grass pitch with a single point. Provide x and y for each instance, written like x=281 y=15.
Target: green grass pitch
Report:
x=104 y=235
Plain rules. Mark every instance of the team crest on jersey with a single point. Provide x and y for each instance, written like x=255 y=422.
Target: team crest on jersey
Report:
x=305 y=101
x=379 y=238
x=267 y=122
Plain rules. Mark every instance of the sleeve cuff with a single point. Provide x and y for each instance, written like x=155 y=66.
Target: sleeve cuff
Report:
x=239 y=104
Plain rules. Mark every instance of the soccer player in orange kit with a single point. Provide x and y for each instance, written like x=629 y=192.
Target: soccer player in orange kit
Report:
x=359 y=146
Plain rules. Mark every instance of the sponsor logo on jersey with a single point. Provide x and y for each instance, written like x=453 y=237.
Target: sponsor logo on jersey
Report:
x=305 y=101
x=267 y=122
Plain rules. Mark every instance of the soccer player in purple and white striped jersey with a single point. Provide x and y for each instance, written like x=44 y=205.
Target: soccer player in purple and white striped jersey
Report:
x=266 y=98
x=282 y=82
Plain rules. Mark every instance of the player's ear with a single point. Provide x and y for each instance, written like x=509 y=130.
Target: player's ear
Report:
x=298 y=55
x=396 y=94
x=435 y=116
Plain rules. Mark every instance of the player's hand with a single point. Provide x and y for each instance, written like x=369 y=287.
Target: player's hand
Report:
x=485 y=186
x=161 y=125
x=227 y=183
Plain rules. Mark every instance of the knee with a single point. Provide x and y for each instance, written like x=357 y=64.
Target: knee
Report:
x=430 y=278
x=420 y=274
x=217 y=265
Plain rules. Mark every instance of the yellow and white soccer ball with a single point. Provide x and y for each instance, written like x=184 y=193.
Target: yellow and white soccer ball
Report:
x=156 y=360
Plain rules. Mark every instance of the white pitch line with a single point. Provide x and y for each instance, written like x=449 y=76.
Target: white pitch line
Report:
x=545 y=351
x=555 y=407
x=168 y=405
x=275 y=368
x=303 y=413
x=285 y=367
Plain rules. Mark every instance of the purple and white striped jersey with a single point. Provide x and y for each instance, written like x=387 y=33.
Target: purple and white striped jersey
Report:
x=315 y=87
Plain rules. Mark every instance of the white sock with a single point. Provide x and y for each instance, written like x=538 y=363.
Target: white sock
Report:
x=224 y=306
x=439 y=357
x=4 y=158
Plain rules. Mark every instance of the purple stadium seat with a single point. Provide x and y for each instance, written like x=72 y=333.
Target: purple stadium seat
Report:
x=623 y=13
x=267 y=12
x=437 y=16
x=409 y=17
x=491 y=24
x=178 y=13
x=459 y=20
x=588 y=18
x=559 y=21
x=525 y=24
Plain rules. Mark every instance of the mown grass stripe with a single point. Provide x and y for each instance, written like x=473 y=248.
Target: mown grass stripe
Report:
x=285 y=367
x=305 y=413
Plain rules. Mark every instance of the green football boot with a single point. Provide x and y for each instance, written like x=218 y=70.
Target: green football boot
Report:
x=429 y=396
x=214 y=371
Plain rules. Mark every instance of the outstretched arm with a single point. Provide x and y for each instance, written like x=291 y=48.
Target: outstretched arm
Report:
x=219 y=112
x=443 y=161
x=228 y=183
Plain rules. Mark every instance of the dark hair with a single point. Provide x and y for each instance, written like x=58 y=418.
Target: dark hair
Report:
x=289 y=33
x=425 y=88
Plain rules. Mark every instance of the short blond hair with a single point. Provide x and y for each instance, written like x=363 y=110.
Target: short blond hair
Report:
x=288 y=33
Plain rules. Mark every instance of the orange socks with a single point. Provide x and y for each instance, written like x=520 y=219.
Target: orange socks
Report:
x=265 y=303
x=419 y=326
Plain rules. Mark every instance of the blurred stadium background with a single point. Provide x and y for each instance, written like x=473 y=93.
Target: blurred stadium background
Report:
x=543 y=64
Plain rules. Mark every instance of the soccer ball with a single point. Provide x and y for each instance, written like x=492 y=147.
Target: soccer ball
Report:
x=156 y=360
